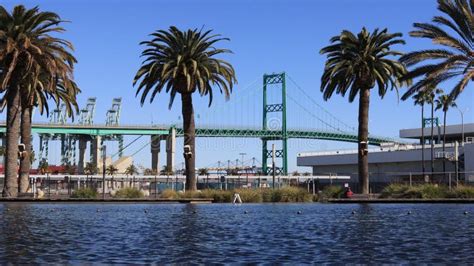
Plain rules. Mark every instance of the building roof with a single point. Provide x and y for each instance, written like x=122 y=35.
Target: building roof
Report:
x=453 y=132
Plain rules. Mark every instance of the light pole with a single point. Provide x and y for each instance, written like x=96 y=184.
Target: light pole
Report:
x=273 y=165
x=462 y=123
x=104 y=154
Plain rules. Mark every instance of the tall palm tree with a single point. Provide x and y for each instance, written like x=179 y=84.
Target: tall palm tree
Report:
x=431 y=93
x=444 y=102
x=184 y=62
x=357 y=63
x=453 y=32
x=420 y=99
x=38 y=97
x=27 y=51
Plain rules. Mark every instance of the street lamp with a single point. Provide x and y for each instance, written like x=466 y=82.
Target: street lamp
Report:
x=104 y=157
x=462 y=123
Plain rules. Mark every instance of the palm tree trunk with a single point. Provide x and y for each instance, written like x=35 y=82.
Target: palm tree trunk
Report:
x=423 y=140
x=364 y=98
x=25 y=163
x=444 y=143
x=432 y=142
x=189 y=139
x=10 y=188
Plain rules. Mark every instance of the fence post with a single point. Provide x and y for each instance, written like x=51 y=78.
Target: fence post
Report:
x=449 y=175
x=410 y=180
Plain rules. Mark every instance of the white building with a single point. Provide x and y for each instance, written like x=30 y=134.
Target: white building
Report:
x=402 y=162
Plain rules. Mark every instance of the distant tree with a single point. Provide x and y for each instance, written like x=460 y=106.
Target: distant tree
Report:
x=233 y=171
x=203 y=171
x=421 y=99
x=166 y=170
x=90 y=169
x=296 y=173
x=131 y=170
x=306 y=174
x=111 y=170
x=43 y=166
x=431 y=93
x=444 y=102
x=149 y=171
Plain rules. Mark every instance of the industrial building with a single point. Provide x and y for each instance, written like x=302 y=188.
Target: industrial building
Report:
x=396 y=162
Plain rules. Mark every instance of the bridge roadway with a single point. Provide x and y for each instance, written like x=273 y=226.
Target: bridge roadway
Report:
x=151 y=130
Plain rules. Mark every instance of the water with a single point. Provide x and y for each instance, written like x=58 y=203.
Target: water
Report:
x=222 y=233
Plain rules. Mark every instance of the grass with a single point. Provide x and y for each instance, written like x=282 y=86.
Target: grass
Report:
x=332 y=192
x=426 y=191
x=84 y=193
x=128 y=193
x=287 y=194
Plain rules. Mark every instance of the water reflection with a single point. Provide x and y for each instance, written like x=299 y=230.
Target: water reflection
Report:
x=222 y=233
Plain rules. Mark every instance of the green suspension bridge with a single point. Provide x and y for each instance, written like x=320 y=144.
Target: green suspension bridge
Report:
x=278 y=109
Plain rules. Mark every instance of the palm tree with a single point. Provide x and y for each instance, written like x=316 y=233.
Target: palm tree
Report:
x=453 y=32
x=131 y=170
x=203 y=171
x=356 y=63
x=38 y=98
x=43 y=166
x=166 y=170
x=111 y=170
x=444 y=102
x=90 y=169
x=149 y=171
x=184 y=62
x=420 y=99
x=431 y=93
x=28 y=51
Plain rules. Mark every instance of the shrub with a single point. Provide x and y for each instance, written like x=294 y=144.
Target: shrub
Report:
x=250 y=195
x=217 y=195
x=169 y=194
x=430 y=191
x=287 y=194
x=84 y=193
x=394 y=191
x=463 y=192
x=425 y=191
x=129 y=193
x=292 y=194
x=332 y=192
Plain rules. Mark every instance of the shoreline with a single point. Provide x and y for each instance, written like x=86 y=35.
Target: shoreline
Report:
x=162 y=201
x=210 y=200
x=395 y=200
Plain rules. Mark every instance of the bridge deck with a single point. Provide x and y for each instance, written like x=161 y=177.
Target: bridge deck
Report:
x=103 y=130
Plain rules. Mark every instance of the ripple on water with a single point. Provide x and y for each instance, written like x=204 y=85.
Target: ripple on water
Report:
x=223 y=233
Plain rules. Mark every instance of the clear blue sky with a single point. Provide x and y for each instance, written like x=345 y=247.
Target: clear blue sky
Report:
x=266 y=36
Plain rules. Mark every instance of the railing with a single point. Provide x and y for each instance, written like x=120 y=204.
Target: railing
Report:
x=395 y=147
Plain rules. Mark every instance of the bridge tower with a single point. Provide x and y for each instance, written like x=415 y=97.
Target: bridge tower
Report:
x=275 y=82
